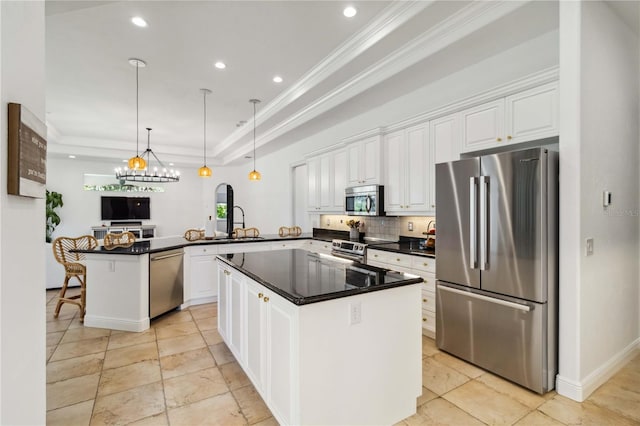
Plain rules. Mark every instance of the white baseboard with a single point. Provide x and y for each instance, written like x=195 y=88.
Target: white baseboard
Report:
x=198 y=301
x=579 y=391
x=115 y=323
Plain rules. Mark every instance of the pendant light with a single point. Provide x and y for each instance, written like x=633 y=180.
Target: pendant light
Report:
x=205 y=171
x=138 y=166
x=254 y=175
x=137 y=162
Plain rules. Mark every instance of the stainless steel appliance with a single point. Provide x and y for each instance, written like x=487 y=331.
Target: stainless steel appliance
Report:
x=364 y=200
x=165 y=281
x=349 y=250
x=497 y=268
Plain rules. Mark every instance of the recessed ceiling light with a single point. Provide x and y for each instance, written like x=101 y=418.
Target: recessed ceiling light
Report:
x=277 y=79
x=220 y=65
x=349 y=11
x=171 y=164
x=125 y=161
x=72 y=156
x=139 y=21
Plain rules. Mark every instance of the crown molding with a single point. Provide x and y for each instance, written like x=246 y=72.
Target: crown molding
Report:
x=391 y=18
x=376 y=131
x=459 y=25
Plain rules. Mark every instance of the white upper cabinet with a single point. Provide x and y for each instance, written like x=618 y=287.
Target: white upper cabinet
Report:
x=525 y=116
x=444 y=141
x=407 y=170
x=364 y=162
x=532 y=114
x=483 y=125
x=326 y=175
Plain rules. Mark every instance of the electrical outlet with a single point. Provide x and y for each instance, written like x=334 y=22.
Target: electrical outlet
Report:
x=410 y=226
x=589 y=247
x=328 y=222
x=355 y=313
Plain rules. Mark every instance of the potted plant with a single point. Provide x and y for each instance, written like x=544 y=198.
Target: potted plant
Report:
x=54 y=201
x=354 y=229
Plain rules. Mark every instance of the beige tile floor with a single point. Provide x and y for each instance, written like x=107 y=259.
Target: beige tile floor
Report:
x=179 y=372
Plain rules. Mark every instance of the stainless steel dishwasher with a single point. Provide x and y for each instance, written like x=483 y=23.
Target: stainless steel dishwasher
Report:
x=165 y=281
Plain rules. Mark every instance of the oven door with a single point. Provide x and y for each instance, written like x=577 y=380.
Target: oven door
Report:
x=361 y=204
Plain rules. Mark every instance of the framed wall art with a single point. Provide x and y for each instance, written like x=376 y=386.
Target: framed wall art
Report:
x=27 y=159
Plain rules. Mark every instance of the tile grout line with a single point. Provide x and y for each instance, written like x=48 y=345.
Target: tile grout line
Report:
x=95 y=399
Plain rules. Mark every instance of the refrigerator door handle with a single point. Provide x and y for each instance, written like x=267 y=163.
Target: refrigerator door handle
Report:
x=484 y=221
x=473 y=223
x=524 y=308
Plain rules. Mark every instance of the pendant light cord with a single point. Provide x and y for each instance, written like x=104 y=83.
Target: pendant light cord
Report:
x=204 y=139
x=137 y=125
x=254 y=135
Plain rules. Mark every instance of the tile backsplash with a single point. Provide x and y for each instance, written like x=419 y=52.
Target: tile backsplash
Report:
x=385 y=227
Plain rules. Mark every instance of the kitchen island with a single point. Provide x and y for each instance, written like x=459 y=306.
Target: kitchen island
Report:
x=120 y=291
x=324 y=340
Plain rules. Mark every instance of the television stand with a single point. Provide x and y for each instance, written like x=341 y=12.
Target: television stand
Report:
x=126 y=223
x=136 y=228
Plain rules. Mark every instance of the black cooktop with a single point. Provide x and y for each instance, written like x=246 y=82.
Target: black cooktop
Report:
x=304 y=277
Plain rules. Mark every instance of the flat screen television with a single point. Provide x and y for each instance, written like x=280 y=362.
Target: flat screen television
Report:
x=125 y=208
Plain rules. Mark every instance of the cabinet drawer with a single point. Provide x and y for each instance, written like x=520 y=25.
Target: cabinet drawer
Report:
x=284 y=245
x=429 y=320
x=393 y=259
x=429 y=283
x=428 y=300
x=423 y=263
x=202 y=250
x=317 y=246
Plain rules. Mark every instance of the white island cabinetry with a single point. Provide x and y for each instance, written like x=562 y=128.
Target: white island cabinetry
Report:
x=313 y=364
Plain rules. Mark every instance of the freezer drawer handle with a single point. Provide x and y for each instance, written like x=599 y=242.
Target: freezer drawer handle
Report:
x=518 y=306
x=153 y=259
x=473 y=256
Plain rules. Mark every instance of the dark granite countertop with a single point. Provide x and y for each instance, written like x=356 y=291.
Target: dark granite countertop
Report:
x=154 y=245
x=404 y=248
x=304 y=277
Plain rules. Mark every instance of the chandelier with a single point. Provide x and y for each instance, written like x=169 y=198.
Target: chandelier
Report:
x=138 y=169
x=145 y=175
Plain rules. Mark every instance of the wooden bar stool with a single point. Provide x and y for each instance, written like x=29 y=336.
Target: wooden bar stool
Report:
x=73 y=267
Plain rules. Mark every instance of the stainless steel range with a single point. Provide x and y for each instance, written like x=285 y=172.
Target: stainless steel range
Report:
x=351 y=250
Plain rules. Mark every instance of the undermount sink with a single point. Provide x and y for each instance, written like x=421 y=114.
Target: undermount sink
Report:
x=247 y=238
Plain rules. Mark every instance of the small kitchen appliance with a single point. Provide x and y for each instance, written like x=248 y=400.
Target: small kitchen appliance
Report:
x=364 y=200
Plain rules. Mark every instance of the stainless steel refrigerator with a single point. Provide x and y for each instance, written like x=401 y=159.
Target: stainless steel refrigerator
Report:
x=496 y=264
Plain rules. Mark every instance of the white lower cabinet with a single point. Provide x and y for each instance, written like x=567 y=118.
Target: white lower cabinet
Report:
x=294 y=355
x=422 y=266
x=201 y=272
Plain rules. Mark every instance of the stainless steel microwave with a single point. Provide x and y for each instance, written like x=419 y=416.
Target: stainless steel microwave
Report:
x=364 y=200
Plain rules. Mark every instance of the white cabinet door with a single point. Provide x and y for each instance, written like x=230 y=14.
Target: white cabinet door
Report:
x=483 y=125
x=394 y=153
x=204 y=276
x=256 y=335
x=224 y=278
x=406 y=170
x=313 y=184
x=281 y=344
x=364 y=162
x=339 y=179
x=444 y=142
x=532 y=114
x=236 y=314
x=417 y=169
x=325 y=201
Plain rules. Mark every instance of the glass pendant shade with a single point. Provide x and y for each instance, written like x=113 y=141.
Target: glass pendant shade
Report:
x=255 y=175
x=137 y=163
x=204 y=171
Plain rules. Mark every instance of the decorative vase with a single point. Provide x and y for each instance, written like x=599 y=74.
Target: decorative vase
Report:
x=354 y=234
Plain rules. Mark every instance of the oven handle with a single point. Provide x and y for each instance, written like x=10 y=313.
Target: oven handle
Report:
x=342 y=255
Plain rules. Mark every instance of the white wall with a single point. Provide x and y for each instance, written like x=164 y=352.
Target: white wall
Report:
x=599 y=146
x=268 y=202
x=22 y=299
x=183 y=205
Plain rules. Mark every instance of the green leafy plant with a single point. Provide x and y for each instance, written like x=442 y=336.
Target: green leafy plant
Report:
x=221 y=211
x=54 y=201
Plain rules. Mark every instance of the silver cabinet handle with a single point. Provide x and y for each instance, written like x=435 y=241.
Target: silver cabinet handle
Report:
x=484 y=223
x=513 y=305
x=473 y=230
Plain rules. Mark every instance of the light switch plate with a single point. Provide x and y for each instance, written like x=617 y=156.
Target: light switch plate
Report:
x=589 y=246
x=410 y=226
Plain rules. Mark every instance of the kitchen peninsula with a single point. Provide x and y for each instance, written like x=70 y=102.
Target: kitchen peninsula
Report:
x=324 y=340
